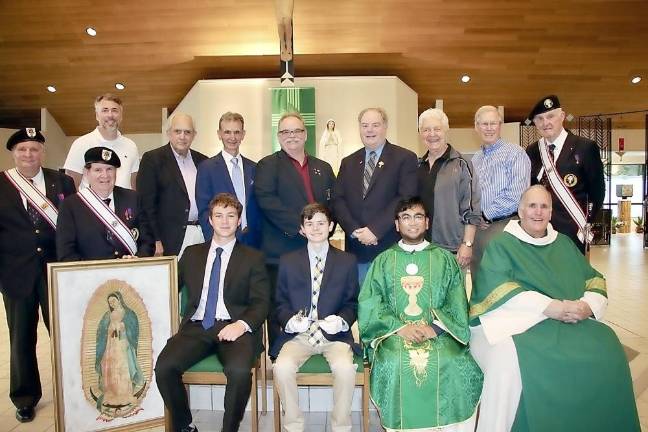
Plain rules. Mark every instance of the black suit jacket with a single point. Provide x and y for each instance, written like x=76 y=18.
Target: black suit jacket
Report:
x=246 y=287
x=393 y=179
x=163 y=198
x=281 y=196
x=338 y=292
x=580 y=157
x=81 y=236
x=26 y=249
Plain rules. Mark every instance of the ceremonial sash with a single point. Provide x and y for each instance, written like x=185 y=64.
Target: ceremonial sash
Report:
x=564 y=194
x=107 y=217
x=37 y=199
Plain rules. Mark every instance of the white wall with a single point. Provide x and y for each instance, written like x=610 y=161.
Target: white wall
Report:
x=466 y=140
x=340 y=98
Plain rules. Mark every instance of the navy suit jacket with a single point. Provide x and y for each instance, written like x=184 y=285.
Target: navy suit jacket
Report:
x=394 y=178
x=580 y=157
x=26 y=249
x=281 y=195
x=163 y=197
x=338 y=293
x=213 y=178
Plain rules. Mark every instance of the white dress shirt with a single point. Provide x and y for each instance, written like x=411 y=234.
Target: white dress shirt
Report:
x=188 y=170
x=38 y=181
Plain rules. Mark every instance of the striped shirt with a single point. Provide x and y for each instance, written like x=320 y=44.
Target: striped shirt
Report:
x=504 y=172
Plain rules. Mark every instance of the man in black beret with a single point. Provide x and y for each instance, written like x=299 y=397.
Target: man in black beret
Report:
x=570 y=167
x=102 y=221
x=31 y=196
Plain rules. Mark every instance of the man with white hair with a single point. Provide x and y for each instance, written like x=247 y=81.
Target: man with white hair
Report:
x=108 y=112
x=166 y=186
x=504 y=172
x=549 y=362
x=570 y=167
x=448 y=188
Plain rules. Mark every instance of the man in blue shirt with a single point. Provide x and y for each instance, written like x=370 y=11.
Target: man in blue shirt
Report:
x=504 y=172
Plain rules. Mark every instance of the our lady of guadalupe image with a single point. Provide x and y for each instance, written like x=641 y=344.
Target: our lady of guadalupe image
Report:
x=116 y=351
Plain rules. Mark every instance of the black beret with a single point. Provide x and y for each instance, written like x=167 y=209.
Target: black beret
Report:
x=24 y=135
x=102 y=155
x=545 y=104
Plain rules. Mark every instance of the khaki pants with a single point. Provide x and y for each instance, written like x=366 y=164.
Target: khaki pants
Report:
x=292 y=356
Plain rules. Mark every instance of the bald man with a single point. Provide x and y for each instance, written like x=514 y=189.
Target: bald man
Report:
x=166 y=185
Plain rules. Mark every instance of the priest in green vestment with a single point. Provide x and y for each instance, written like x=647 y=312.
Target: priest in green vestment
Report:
x=549 y=363
x=413 y=320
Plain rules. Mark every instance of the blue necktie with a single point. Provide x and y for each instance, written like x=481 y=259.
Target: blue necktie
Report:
x=212 y=293
x=239 y=188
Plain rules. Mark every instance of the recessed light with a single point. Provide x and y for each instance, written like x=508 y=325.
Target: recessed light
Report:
x=91 y=31
x=120 y=86
x=465 y=79
x=635 y=79
x=51 y=89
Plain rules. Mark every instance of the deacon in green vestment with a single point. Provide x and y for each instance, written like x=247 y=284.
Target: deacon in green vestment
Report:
x=413 y=320
x=549 y=363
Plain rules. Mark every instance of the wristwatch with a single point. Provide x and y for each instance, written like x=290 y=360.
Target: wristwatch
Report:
x=467 y=243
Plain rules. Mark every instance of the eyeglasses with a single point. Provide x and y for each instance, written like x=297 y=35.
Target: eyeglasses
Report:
x=294 y=132
x=407 y=218
x=485 y=125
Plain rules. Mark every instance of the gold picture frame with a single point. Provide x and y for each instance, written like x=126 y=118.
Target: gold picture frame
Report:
x=109 y=320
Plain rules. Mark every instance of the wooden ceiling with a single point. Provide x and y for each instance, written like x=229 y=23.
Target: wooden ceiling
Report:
x=585 y=51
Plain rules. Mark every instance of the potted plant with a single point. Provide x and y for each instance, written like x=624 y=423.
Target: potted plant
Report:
x=639 y=222
x=613 y=222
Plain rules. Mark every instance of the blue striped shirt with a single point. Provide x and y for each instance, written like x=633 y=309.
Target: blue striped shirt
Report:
x=504 y=172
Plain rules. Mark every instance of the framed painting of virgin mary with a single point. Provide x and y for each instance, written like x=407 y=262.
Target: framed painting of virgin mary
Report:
x=109 y=321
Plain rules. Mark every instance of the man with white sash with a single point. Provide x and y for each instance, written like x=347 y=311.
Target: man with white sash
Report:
x=30 y=196
x=549 y=362
x=102 y=221
x=570 y=167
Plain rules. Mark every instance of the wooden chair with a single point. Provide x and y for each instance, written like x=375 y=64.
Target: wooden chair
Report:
x=316 y=372
x=209 y=371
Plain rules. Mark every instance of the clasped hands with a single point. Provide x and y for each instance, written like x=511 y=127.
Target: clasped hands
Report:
x=365 y=236
x=568 y=311
x=299 y=323
x=417 y=332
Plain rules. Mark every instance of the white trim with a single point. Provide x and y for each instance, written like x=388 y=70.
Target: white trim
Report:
x=34 y=196
x=107 y=217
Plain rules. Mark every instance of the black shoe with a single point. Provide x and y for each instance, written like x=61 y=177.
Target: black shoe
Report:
x=189 y=428
x=26 y=414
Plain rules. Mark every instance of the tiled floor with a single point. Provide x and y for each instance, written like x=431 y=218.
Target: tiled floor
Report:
x=624 y=264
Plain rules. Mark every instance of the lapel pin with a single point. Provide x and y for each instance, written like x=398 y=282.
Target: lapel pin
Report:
x=380 y=164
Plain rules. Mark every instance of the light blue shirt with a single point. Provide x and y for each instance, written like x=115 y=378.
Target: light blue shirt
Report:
x=378 y=153
x=504 y=172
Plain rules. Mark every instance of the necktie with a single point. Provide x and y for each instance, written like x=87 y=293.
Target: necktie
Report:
x=212 y=293
x=239 y=188
x=315 y=336
x=545 y=178
x=109 y=234
x=368 y=172
x=34 y=215
x=551 y=148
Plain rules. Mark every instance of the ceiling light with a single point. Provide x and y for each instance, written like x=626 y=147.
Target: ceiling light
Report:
x=465 y=79
x=51 y=89
x=635 y=79
x=91 y=31
x=120 y=86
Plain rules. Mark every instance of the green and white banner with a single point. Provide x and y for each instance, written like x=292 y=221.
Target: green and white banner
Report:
x=294 y=99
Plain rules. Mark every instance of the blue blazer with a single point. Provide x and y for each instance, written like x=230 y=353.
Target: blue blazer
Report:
x=338 y=293
x=213 y=178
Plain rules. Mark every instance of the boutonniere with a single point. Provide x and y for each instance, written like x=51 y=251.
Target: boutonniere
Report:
x=380 y=164
x=317 y=171
x=128 y=213
x=60 y=197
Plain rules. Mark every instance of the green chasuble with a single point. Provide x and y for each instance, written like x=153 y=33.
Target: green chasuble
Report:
x=575 y=377
x=434 y=383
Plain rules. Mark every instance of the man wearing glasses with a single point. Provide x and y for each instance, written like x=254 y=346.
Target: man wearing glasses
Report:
x=285 y=182
x=503 y=171
x=229 y=171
